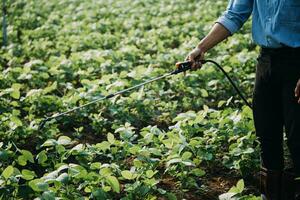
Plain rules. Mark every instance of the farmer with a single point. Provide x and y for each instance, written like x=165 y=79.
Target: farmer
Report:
x=276 y=98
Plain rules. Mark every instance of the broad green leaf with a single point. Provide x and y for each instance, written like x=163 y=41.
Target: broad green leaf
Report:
x=227 y=196
x=190 y=115
x=16 y=121
x=60 y=148
x=114 y=183
x=63 y=178
x=110 y=138
x=50 y=176
x=134 y=150
x=103 y=145
x=28 y=155
x=168 y=143
x=88 y=189
x=15 y=93
x=50 y=88
x=204 y=93
x=150 y=173
x=155 y=151
x=64 y=140
x=234 y=189
x=162 y=191
x=62 y=167
x=4 y=155
x=99 y=194
x=205 y=108
x=240 y=185
x=198 y=172
x=137 y=163
x=175 y=160
x=151 y=182
x=22 y=160
x=8 y=171
x=248 y=150
x=186 y=155
x=78 y=147
x=221 y=103
x=42 y=157
x=28 y=175
x=106 y=188
x=96 y=165
x=187 y=163
x=38 y=185
x=48 y=195
x=128 y=175
x=49 y=142
x=227 y=68
x=105 y=171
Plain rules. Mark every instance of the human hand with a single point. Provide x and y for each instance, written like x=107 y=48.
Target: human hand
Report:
x=195 y=56
x=297 y=91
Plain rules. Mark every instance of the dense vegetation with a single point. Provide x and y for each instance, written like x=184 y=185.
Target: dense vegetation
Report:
x=167 y=140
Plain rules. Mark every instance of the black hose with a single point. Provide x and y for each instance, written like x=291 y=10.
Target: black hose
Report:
x=187 y=65
x=181 y=67
x=231 y=81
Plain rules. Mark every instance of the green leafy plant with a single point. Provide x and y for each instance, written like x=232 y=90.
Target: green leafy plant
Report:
x=235 y=193
x=161 y=141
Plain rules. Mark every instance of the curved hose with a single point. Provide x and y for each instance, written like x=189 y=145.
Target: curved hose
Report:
x=181 y=67
x=231 y=81
x=187 y=65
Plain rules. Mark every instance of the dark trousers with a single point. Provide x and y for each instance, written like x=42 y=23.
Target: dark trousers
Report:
x=275 y=106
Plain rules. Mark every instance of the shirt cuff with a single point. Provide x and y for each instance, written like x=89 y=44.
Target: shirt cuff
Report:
x=228 y=24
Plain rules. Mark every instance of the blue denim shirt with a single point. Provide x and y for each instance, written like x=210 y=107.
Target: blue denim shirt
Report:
x=275 y=23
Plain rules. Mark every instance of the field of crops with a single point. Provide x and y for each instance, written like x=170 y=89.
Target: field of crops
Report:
x=185 y=137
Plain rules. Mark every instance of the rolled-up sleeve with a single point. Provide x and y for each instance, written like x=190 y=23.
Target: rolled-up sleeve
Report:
x=237 y=13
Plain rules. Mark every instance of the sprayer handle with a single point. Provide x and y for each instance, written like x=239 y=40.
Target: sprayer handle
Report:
x=184 y=66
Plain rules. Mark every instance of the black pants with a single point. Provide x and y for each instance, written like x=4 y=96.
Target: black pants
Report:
x=275 y=107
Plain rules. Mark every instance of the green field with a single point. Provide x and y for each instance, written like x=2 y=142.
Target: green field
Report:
x=185 y=137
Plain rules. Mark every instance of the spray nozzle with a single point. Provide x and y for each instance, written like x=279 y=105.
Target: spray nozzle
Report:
x=185 y=66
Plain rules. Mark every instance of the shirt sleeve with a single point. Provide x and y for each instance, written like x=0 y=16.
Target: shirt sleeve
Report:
x=237 y=13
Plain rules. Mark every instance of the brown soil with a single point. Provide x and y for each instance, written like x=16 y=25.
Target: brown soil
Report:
x=214 y=183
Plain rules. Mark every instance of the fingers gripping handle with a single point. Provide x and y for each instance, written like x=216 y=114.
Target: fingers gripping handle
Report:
x=184 y=66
